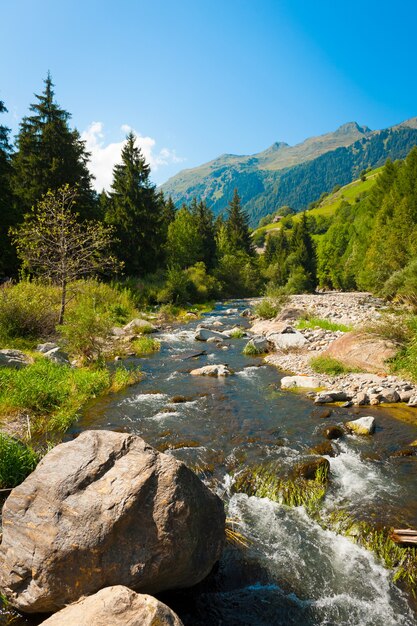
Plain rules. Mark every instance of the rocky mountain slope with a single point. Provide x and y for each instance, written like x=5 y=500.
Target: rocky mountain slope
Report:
x=294 y=175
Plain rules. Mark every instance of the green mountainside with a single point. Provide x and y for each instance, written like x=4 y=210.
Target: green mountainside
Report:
x=292 y=175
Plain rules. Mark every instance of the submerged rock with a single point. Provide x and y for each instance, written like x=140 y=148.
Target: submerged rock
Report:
x=324 y=448
x=333 y=432
x=106 y=509
x=362 y=426
x=212 y=370
x=117 y=606
x=311 y=468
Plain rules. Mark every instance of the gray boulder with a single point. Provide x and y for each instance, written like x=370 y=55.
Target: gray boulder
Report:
x=106 y=509
x=16 y=359
x=304 y=382
x=362 y=426
x=46 y=347
x=117 y=606
x=258 y=345
x=287 y=339
x=57 y=356
x=203 y=334
x=212 y=370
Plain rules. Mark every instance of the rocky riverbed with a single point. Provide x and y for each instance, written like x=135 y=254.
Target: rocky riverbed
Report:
x=372 y=385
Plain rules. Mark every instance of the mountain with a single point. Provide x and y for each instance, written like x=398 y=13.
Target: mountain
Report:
x=292 y=175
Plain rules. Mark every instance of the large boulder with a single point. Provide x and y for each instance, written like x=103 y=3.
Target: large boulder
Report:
x=287 y=339
x=117 y=606
x=203 y=334
x=16 y=359
x=362 y=426
x=101 y=510
x=257 y=345
x=362 y=351
x=266 y=327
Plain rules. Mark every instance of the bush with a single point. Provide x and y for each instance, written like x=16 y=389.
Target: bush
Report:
x=28 y=310
x=177 y=287
x=203 y=286
x=17 y=461
x=85 y=330
x=272 y=304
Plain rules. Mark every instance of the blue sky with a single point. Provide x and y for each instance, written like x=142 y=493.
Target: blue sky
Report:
x=197 y=78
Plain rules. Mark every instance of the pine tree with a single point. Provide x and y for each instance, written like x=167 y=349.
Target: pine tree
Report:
x=238 y=226
x=135 y=210
x=50 y=155
x=302 y=252
x=8 y=261
x=204 y=219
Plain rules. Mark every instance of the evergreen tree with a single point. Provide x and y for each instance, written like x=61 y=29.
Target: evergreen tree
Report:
x=302 y=253
x=238 y=226
x=50 y=155
x=135 y=211
x=7 y=215
x=204 y=219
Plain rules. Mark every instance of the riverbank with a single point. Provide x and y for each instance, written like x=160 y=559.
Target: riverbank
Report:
x=338 y=331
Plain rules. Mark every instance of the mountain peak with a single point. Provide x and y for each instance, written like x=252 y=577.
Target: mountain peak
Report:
x=277 y=145
x=352 y=127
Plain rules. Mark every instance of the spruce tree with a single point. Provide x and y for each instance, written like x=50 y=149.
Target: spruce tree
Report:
x=8 y=218
x=238 y=226
x=135 y=210
x=204 y=219
x=50 y=155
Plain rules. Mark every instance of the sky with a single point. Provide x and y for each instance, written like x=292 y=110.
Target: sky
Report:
x=198 y=78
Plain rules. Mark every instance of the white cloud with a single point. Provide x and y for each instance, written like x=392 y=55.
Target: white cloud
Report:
x=105 y=156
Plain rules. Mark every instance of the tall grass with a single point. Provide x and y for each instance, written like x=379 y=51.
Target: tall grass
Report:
x=330 y=366
x=318 y=322
x=17 y=460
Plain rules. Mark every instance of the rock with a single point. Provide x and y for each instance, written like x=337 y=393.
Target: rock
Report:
x=16 y=359
x=362 y=351
x=389 y=396
x=57 y=356
x=312 y=467
x=179 y=399
x=333 y=432
x=321 y=413
x=232 y=331
x=217 y=324
x=323 y=398
x=116 y=331
x=324 y=448
x=406 y=394
x=259 y=345
x=45 y=347
x=212 y=370
x=117 y=606
x=265 y=327
x=361 y=398
x=405 y=452
x=362 y=426
x=203 y=334
x=246 y=313
x=305 y=382
x=290 y=313
x=230 y=311
x=105 y=509
x=140 y=325
x=214 y=340
x=288 y=339
x=412 y=401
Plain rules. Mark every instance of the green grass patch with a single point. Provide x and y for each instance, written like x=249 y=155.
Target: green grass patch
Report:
x=145 y=345
x=250 y=350
x=330 y=366
x=123 y=377
x=17 y=460
x=318 y=322
x=237 y=334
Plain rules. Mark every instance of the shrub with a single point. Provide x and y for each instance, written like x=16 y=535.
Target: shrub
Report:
x=85 y=330
x=272 y=304
x=28 y=310
x=17 y=461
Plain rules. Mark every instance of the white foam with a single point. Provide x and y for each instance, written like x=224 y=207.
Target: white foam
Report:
x=146 y=398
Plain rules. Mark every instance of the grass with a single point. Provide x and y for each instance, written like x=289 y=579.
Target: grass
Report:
x=52 y=395
x=270 y=306
x=237 y=334
x=250 y=350
x=331 y=203
x=263 y=482
x=330 y=366
x=145 y=345
x=17 y=460
x=318 y=322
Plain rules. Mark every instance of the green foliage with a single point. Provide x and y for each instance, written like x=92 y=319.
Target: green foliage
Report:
x=238 y=275
x=237 y=334
x=271 y=305
x=136 y=211
x=85 y=330
x=145 y=345
x=250 y=350
x=330 y=366
x=317 y=322
x=237 y=225
x=405 y=362
x=184 y=243
x=28 y=310
x=17 y=460
x=123 y=377
x=50 y=155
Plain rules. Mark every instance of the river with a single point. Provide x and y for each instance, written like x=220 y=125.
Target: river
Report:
x=293 y=572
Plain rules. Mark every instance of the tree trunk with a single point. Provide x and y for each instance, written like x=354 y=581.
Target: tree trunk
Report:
x=63 y=302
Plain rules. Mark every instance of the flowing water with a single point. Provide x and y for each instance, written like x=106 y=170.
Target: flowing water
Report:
x=294 y=572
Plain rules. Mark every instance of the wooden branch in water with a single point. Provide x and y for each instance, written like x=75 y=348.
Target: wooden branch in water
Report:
x=404 y=536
